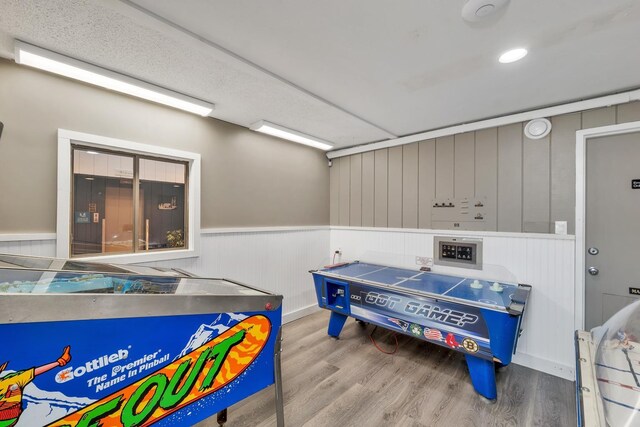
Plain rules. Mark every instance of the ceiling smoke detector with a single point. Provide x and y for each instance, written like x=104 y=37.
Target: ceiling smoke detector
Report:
x=479 y=10
x=537 y=128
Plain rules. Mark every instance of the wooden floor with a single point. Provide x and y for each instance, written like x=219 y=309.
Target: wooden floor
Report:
x=348 y=382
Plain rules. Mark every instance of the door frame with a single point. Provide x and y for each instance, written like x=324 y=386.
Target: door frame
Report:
x=581 y=187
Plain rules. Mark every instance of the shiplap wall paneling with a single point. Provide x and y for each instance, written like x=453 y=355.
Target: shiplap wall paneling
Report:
x=394 y=197
x=510 y=178
x=599 y=117
x=535 y=185
x=334 y=192
x=628 y=112
x=486 y=174
x=445 y=167
x=410 y=185
x=368 y=189
x=345 y=190
x=355 y=186
x=381 y=188
x=563 y=169
x=464 y=165
x=426 y=181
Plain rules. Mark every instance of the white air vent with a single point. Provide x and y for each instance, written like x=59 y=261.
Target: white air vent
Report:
x=537 y=128
x=478 y=10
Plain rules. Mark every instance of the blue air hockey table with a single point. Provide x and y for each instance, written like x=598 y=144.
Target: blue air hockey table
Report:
x=478 y=318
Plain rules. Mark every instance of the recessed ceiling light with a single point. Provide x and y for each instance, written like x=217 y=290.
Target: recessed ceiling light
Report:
x=513 y=55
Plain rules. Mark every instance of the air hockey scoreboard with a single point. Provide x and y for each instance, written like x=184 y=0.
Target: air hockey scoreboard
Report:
x=89 y=344
x=608 y=371
x=478 y=318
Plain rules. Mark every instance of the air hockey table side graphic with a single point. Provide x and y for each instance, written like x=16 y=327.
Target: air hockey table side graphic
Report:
x=485 y=332
x=118 y=359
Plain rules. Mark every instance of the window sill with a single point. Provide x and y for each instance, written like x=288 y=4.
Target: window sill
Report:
x=142 y=257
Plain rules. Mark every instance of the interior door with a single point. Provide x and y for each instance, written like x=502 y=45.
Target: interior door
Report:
x=612 y=225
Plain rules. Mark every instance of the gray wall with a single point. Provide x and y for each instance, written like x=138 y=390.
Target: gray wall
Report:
x=528 y=184
x=248 y=179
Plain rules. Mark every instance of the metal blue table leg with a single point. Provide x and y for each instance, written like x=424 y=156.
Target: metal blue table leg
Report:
x=336 y=322
x=483 y=376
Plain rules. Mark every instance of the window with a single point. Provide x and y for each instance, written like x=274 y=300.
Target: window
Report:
x=107 y=219
x=126 y=199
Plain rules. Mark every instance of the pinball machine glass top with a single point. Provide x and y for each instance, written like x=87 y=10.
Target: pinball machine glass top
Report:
x=617 y=366
x=39 y=275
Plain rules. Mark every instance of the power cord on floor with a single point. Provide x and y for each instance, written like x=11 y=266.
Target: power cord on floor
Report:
x=376 y=344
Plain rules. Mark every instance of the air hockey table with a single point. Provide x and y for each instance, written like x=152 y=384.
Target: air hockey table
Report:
x=88 y=344
x=478 y=318
x=608 y=371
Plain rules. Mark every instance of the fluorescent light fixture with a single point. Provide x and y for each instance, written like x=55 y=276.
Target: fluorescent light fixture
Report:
x=43 y=59
x=292 y=135
x=92 y=152
x=513 y=55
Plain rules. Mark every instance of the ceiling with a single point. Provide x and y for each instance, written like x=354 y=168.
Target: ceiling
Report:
x=350 y=72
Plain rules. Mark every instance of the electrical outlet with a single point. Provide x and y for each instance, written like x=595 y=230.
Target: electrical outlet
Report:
x=424 y=261
x=338 y=251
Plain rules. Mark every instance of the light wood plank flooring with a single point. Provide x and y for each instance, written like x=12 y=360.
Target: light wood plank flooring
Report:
x=347 y=382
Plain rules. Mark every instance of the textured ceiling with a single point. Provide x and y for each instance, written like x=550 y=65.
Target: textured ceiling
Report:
x=349 y=72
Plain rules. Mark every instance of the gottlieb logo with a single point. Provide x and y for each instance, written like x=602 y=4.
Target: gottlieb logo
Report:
x=93 y=365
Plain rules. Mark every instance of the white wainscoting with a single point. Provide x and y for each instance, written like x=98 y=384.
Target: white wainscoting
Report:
x=277 y=259
x=545 y=262
x=36 y=244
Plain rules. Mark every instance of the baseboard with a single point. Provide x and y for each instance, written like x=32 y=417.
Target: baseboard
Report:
x=543 y=365
x=299 y=313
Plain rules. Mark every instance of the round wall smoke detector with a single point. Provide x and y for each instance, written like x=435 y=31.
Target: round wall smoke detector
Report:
x=478 y=10
x=537 y=128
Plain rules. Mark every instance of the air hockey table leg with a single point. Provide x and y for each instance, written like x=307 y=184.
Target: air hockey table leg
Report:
x=483 y=376
x=336 y=322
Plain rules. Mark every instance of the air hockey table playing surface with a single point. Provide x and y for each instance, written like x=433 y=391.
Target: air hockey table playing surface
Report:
x=479 y=318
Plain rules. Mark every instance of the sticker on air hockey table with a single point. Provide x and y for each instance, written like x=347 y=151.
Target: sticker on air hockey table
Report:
x=470 y=345
x=399 y=322
x=416 y=329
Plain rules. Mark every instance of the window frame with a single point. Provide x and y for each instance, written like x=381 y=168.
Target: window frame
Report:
x=67 y=139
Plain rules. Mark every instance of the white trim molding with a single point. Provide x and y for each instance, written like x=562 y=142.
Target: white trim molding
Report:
x=205 y=231
x=581 y=188
x=65 y=138
x=468 y=233
x=27 y=237
x=589 y=104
